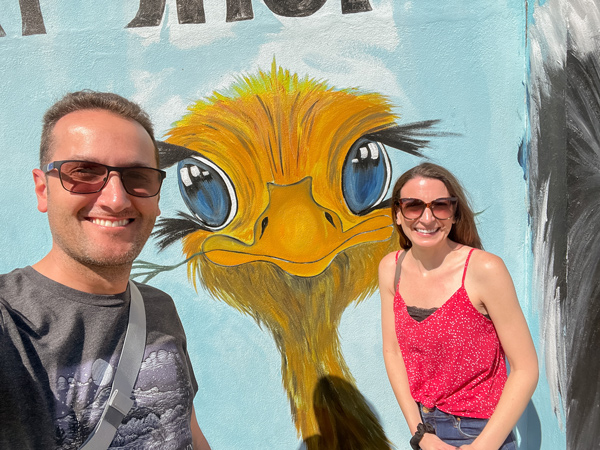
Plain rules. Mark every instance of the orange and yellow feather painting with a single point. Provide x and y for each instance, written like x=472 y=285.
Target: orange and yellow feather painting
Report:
x=286 y=181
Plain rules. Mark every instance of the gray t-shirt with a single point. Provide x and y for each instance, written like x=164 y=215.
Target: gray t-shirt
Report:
x=59 y=348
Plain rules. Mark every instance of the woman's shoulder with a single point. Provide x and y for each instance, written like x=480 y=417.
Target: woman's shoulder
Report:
x=387 y=270
x=387 y=265
x=390 y=259
x=485 y=264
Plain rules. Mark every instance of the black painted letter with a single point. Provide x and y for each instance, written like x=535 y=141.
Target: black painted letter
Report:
x=31 y=17
x=355 y=6
x=303 y=8
x=190 y=11
x=239 y=10
x=294 y=8
x=150 y=13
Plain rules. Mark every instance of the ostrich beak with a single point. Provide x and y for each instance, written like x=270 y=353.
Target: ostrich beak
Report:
x=297 y=234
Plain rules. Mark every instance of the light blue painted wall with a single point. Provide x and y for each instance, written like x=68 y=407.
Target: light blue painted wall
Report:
x=461 y=62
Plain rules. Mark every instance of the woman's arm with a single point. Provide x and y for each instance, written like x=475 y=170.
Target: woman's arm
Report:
x=488 y=279
x=394 y=364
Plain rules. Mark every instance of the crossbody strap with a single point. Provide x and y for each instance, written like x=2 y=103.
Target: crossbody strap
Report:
x=119 y=402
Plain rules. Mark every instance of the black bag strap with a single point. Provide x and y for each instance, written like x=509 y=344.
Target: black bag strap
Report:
x=398 y=267
x=119 y=402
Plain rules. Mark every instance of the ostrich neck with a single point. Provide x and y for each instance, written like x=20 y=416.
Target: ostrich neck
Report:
x=303 y=314
x=309 y=352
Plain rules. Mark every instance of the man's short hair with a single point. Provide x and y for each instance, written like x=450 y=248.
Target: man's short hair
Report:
x=89 y=100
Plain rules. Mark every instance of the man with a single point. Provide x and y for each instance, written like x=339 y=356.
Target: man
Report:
x=63 y=320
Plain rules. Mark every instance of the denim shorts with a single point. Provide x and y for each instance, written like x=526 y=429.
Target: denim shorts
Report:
x=457 y=431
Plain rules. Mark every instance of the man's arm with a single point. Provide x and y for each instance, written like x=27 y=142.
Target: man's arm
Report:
x=198 y=439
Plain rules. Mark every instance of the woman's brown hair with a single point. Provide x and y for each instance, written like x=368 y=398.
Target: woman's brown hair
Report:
x=464 y=230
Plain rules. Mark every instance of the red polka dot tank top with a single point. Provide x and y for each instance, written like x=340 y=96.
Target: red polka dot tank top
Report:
x=453 y=358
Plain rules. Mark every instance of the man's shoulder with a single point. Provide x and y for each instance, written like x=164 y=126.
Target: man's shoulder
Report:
x=14 y=274
x=150 y=292
x=161 y=311
x=13 y=283
x=13 y=292
x=26 y=283
x=156 y=300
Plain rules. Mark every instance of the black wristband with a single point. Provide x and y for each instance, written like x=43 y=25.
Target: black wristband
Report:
x=421 y=430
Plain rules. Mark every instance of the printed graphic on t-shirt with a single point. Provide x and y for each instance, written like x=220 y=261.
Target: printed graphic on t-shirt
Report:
x=159 y=418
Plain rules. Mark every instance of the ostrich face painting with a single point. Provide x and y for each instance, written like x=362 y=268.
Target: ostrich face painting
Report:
x=285 y=180
x=289 y=178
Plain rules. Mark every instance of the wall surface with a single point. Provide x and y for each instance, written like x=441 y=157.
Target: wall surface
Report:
x=272 y=261
x=562 y=163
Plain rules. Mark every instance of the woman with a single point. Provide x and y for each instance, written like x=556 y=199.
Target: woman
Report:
x=449 y=321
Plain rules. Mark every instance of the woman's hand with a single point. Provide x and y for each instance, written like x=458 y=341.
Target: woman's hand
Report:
x=432 y=442
x=475 y=445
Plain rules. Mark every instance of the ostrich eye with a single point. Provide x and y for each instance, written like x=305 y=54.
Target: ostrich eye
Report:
x=207 y=191
x=366 y=175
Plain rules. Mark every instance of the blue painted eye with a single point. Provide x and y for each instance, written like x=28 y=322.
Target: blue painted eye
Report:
x=207 y=191
x=366 y=175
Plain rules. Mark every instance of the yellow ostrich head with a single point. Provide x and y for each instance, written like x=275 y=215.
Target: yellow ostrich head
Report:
x=285 y=179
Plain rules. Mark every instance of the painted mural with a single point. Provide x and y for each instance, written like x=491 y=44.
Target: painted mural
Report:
x=151 y=12
x=285 y=180
x=282 y=125
x=563 y=166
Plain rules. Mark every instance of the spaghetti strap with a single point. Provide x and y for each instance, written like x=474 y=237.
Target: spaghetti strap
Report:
x=466 y=265
x=398 y=266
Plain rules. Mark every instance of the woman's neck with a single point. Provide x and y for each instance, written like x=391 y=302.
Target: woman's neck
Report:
x=430 y=258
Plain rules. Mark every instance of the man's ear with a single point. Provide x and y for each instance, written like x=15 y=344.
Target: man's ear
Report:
x=41 y=189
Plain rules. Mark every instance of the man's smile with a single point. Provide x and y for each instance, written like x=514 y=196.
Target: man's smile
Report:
x=110 y=222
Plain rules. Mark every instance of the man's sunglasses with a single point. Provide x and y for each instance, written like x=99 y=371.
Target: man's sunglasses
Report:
x=441 y=208
x=86 y=177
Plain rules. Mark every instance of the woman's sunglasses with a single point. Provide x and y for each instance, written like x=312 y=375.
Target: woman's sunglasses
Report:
x=441 y=208
x=86 y=177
